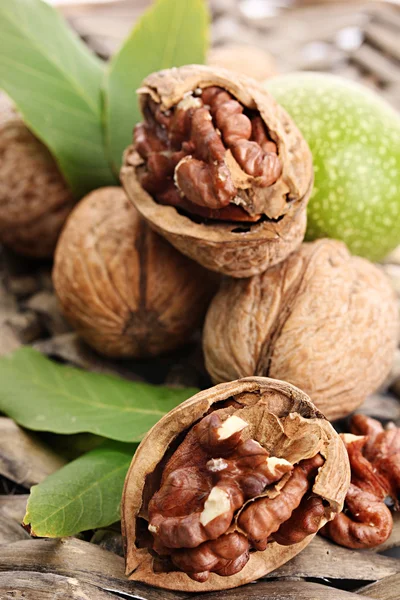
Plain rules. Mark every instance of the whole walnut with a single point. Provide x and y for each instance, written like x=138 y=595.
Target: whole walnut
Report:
x=34 y=198
x=219 y=169
x=323 y=320
x=127 y=292
x=230 y=485
x=252 y=61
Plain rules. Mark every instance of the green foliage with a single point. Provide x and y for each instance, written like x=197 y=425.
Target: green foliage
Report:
x=55 y=82
x=42 y=395
x=83 y=113
x=85 y=494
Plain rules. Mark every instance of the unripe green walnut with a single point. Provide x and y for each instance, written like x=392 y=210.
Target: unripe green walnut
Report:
x=354 y=136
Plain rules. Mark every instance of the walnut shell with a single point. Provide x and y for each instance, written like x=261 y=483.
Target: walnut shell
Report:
x=34 y=198
x=323 y=320
x=238 y=249
x=252 y=61
x=127 y=292
x=281 y=418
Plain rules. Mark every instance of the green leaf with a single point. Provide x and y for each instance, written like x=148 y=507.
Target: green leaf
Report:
x=42 y=395
x=85 y=494
x=71 y=446
x=171 y=33
x=55 y=82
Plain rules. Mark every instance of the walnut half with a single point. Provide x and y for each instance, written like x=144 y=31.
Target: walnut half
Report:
x=219 y=169
x=230 y=485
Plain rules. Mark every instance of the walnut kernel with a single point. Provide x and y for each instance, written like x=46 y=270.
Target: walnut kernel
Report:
x=219 y=169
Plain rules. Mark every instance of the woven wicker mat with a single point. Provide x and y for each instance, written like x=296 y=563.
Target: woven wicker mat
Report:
x=357 y=40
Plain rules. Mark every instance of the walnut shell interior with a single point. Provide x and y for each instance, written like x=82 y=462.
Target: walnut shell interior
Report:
x=127 y=292
x=279 y=417
x=219 y=169
x=34 y=197
x=323 y=320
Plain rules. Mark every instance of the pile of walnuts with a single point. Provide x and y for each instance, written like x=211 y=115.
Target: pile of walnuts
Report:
x=222 y=172
x=219 y=170
x=238 y=479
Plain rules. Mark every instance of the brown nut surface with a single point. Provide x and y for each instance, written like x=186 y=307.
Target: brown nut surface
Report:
x=34 y=198
x=125 y=289
x=366 y=521
x=252 y=61
x=219 y=169
x=382 y=451
x=219 y=480
x=323 y=320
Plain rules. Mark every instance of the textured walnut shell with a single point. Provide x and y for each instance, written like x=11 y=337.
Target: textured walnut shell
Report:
x=252 y=61
x=306 y=432
x=323 y=320
x=236 y=249
x=34 y=198
x=126 y=291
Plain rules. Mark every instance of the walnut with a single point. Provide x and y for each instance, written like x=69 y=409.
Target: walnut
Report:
x=322 y=320
x=230 y=485
x=252 y=61
x=366 y=521
x=34 y=198
x=382 y=451
x=126 y=291
x=219 y=169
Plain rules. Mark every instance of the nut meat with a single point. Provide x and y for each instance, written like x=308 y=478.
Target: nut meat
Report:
x=34 y=198
x=323 y=320
x=374 y=457
x=230 y=485
x=219 y=169
x=127 y=292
